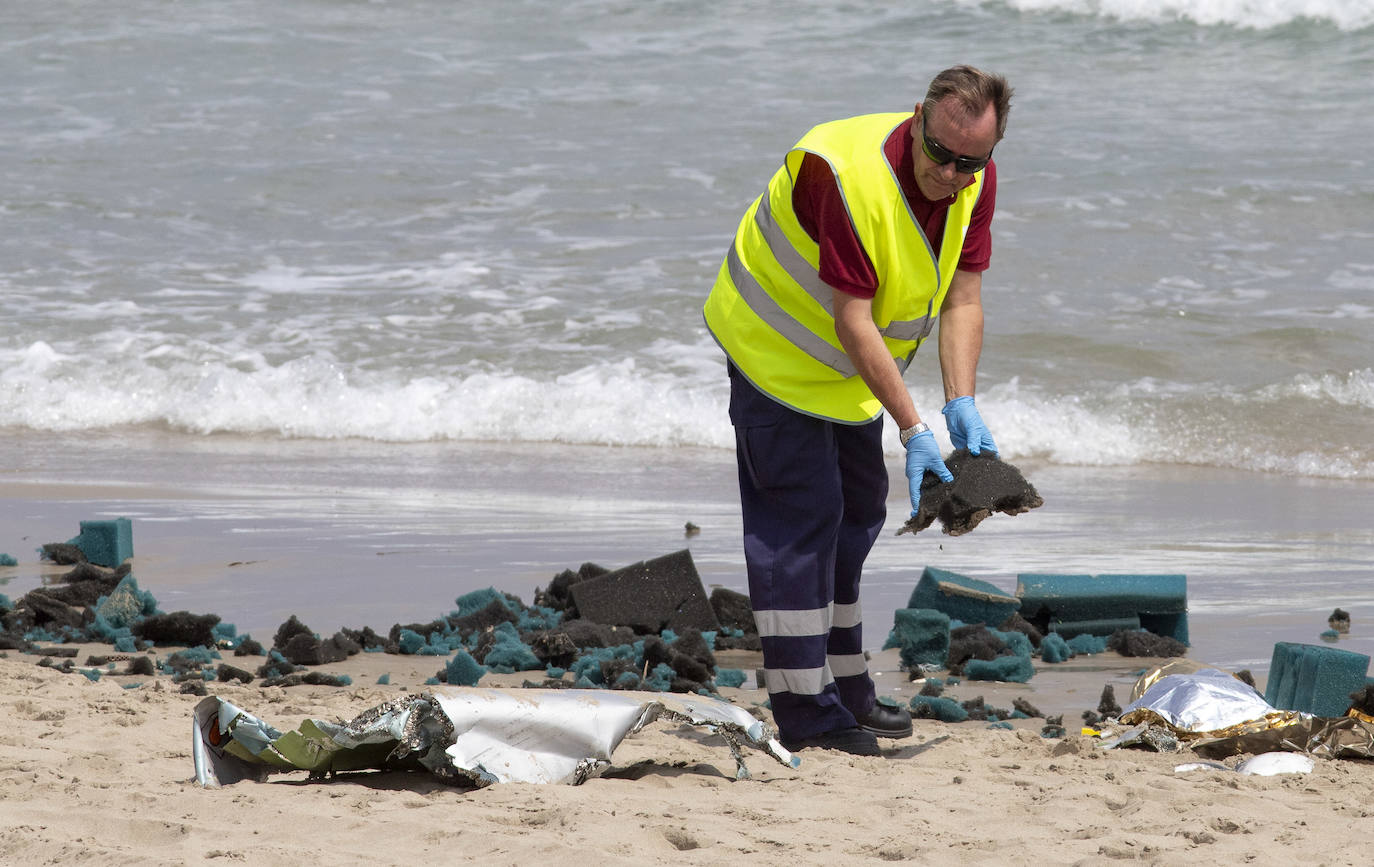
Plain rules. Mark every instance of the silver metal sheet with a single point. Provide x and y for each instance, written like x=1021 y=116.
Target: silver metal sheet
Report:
x=478 y=735
x=1207 y=700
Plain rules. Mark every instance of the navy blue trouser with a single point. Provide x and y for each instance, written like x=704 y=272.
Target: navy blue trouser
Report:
x=813 y=494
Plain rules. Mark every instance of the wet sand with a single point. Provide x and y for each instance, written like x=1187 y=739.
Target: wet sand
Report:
x=368 y=534
x=357 y=534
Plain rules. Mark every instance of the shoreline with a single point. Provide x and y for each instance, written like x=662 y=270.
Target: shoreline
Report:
x=349 y=534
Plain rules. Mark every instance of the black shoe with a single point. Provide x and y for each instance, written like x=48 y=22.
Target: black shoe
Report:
x=853 y=740
x=886 y=721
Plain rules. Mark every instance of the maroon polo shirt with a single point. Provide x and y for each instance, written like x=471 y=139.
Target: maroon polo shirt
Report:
x=844 y=264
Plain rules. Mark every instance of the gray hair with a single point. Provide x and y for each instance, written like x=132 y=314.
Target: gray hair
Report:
x=970 y=90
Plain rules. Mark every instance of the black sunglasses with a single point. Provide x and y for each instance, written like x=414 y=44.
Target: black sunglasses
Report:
x=942 y=155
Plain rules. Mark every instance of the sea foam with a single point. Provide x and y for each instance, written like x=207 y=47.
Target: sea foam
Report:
x=1348 y=15
x=625 y=403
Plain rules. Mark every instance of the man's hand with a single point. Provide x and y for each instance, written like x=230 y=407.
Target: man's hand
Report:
x=966 y=428
x=923 y=453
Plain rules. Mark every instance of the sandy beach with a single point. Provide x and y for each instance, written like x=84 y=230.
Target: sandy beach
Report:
x=95 y=773
x=351 y=535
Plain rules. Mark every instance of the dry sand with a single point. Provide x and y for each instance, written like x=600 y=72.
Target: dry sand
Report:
x=93 y=772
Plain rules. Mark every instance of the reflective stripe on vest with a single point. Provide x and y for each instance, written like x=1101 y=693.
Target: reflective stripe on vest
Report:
x=774 y=316
x=810 y=279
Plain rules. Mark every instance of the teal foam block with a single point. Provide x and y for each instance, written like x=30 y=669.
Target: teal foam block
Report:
x=509 y=653
x=1094 y=627
x=471 y=603
x=106 y=543
x=922 y=634
x=1014 y=669
x=1053 y=648
x=730 y=677
x=935 y=707
x=1085 y=643
x=463 y=670
x=1314 y=679
x=1018 y=642
x=1158 y=603
x=963 y=598
x=126 y=604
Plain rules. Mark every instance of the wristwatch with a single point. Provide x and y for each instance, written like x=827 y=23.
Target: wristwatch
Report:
x=905 y=434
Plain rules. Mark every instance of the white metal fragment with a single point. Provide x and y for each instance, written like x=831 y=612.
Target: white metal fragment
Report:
x=476 y=734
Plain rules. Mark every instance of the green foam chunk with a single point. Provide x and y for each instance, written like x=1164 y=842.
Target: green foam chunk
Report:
x=106 y=543
x=922 y=634
x=936 y=707
x=1014 y=669
x=1314 y=679
x=962 y=598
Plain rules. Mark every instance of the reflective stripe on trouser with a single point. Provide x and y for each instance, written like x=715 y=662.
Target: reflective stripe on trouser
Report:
x=813 y=498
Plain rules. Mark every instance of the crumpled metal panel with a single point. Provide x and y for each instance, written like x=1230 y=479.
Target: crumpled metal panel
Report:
x=1182 y=665
x=1205 y=702
x=477 y=735
x=1324 y=737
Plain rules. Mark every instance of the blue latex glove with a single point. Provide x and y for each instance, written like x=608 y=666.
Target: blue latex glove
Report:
x=923 y=453
x=966 y=428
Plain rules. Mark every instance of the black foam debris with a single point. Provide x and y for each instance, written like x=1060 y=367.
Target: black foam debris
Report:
x=983 y=484
x=58 y=652
x=290 y=628
x=1138 y=642
x=649 y=596
x=734 y=611
x=365 y=638
x=1026 y=708
x=141 y=665
x=1054 y=727
x=558 y=594
x=494 y=613
x=1017 y=623
x=178 y=628
x=1339 y=621
x=300 y=645
x=62 y=553
x=249 y=647
x=39 y=608
x=84 y=585
x=973 y=642
x=1362 y=700
x=655 y=629
x=227 y=672
x=1107 y=705
x=312 y=678
x=979 y=710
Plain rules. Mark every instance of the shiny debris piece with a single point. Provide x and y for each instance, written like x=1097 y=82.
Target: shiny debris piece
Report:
x=471 y=735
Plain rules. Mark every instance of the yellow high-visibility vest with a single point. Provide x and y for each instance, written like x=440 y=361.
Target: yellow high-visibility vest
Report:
x=774 y=316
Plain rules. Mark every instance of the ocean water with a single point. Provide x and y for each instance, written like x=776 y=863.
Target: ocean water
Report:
x=426 y=220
